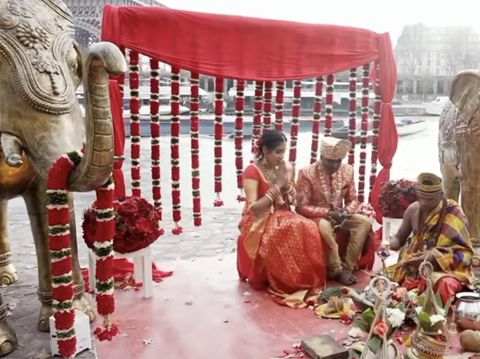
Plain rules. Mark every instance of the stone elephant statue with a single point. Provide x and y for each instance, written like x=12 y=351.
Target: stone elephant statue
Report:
x=447 y=151
x=41 y=67
x=465 y=95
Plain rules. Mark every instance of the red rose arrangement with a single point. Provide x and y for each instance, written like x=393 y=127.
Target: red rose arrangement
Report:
x=136 y=224
x=396 y=196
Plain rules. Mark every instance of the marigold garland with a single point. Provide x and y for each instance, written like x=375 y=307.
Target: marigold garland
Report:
x=239 y=107
x=61 y=252
x=317 y=110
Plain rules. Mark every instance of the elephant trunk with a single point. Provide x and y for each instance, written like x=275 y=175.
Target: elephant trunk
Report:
x=97 y=164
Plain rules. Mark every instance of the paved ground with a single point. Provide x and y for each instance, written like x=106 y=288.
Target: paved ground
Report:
x=217 y=236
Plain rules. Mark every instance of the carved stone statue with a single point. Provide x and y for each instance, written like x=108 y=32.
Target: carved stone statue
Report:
x=447 y=151
x=465 y=96
x=40 y=119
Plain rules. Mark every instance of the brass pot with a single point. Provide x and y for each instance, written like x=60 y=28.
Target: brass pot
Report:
x=426 y=346
x=467 y=315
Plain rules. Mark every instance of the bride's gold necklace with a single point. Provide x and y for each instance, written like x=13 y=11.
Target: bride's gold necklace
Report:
x=269 y=174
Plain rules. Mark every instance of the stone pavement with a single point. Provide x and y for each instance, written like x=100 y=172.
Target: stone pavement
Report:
x=217 y=236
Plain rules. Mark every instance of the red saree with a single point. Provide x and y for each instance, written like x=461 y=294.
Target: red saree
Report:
x=281 y=250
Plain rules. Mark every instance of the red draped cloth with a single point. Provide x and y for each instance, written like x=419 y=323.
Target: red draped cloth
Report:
x=282 y=250
x=118 y=137
x=259 y=49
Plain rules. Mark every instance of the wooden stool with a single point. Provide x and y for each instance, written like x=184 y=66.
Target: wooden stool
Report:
x=142 y=264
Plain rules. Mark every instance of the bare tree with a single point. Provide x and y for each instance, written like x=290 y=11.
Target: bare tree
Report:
x=462 y=49
x=410 y=49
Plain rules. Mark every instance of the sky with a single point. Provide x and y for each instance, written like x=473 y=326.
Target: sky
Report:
x=376 y=15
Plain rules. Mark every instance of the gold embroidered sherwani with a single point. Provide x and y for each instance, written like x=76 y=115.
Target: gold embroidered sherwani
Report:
x=317 y=194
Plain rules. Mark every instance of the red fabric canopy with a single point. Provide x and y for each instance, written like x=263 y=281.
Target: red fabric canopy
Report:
x=259 y=49
x=241 y=47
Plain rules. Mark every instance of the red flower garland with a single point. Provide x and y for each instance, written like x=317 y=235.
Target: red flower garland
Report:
x=135 y=129
x=317 y=109
x=155 y=131
x=267 y=106
x=103 y=248
x=376 y=126
x=257 y=115
x=175 y=149
x=279 y=96
x=297 y=96
x=329 y=105
x=352 y=114
x=239 y=107
x=195 y=147
x=61 y=252
x=218 y=140
x=363 y=132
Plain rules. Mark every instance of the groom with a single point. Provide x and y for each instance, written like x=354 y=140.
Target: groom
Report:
x=326 y=193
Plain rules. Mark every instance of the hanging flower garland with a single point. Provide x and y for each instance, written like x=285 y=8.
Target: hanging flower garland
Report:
x=175 y=149
x=155 y=132
x=329 y=105
x=135 y=131
x=103 y=249
x=267 y=106
x=239 y=107
x=257 y=116
x=218 y=140
x=195 y=147
x=317 y=110
x=352 y=114
x=363 y=133
x=279 y=105
x=61 y=252
x=376 y=126
x=297 y=96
